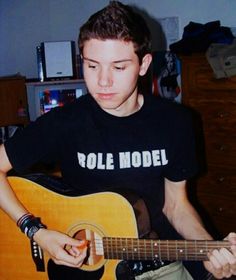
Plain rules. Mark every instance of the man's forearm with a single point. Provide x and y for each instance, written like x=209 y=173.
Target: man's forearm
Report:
x=188 y=223
x=8 y=201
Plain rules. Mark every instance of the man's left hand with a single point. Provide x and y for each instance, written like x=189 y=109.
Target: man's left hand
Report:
x=222 y=263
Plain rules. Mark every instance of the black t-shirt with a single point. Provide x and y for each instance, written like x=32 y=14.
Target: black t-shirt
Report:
x=101 y=152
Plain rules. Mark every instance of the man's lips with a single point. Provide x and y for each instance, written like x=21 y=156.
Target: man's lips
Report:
x=105 y=95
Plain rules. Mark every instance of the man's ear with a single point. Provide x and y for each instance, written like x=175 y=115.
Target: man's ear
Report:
x=146 y=61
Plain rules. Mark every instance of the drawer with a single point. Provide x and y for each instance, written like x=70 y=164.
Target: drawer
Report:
x=219 y=212
x=214 y=196
x=219 y=180
x=220 y=150
x=218 y=205
x=217 y=116
x=202 y=78
x=198 y=80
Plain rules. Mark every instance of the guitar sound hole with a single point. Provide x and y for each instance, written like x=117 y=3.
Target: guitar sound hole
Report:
x=93 y=267
x=95 y=253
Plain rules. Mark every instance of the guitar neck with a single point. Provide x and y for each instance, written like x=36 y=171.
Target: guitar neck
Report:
x=172 y=250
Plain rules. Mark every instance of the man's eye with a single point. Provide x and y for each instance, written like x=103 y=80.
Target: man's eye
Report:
x=119 y=68
x=92 y=66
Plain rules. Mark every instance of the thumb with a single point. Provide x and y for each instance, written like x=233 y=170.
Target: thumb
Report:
x=81 y=244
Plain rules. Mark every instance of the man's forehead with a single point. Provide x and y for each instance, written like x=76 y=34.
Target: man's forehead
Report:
x=113 y=44
x=108 y=50
x=115 y=61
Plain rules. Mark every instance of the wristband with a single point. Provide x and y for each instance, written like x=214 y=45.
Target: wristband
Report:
x=29 y=225
x=33 y=226
x=23 y=218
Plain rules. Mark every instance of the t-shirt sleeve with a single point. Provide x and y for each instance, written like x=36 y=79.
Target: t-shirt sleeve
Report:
x=182 y=158
x=35 y=143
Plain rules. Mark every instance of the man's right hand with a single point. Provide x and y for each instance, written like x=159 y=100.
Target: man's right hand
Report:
x=55 y=243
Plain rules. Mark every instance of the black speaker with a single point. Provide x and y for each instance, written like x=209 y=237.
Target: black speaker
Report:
x=58 y=60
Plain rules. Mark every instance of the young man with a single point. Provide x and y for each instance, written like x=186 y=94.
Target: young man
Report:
x=146 y=145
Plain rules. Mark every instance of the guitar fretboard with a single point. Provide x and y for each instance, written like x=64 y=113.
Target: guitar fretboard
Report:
x=145 y=249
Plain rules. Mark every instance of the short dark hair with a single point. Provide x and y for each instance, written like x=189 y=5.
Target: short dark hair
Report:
x=117 y=21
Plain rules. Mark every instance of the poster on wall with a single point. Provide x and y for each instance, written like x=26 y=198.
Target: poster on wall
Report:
x=170 y=27
x=166 y=72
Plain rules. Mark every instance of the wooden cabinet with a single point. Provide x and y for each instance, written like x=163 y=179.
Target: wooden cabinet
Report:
x=214 y=101
x=13 y=102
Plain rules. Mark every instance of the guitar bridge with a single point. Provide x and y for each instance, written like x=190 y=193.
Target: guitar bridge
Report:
x=37 y=255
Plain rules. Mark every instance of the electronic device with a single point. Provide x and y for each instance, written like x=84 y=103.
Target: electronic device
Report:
x=42 y=97
x=57 y=60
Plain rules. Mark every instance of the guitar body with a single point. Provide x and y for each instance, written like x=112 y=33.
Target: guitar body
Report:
x=100 y=214
x=117 y=227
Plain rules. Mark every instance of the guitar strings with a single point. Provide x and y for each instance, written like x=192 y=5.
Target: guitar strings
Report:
x=143 y=248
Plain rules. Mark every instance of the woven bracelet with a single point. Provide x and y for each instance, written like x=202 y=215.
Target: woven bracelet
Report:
x=32 y=226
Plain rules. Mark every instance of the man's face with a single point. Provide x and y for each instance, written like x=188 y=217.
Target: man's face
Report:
x=111 y=70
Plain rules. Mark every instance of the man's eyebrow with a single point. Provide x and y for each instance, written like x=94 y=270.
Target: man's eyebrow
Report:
x=89 y=59
x=116 y=61
x=122 y=60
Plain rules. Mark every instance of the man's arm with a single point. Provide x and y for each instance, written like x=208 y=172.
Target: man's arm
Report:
x=187 y=222
x=8 y=201
x=181 y=213
x=51 y=241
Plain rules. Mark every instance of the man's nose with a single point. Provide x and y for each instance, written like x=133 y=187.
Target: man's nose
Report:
x=105 y=78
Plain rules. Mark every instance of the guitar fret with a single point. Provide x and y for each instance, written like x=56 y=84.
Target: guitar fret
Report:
x=202 y=248
x=135 y=250
x=116 y=253
x=109 y=247
x=122 y=249
x=167 y=250
x=180 y=251
x=159 y=251
x=145 y=249
x=132 y=248
x=119 y=245
x=138 y=252
x=185 y=249
x=176 y=249
x=152 y=249
x=127 y=249
x=114 y=244
x=112 y=252
x=105 y=247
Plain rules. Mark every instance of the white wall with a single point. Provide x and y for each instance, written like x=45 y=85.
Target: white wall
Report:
x=26 y=23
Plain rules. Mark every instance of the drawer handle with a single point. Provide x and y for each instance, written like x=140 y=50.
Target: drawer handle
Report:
x=221 y=179
x=223 y=114
x=223 y=148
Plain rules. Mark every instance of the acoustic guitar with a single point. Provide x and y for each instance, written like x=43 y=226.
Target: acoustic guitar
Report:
x=113 y=226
